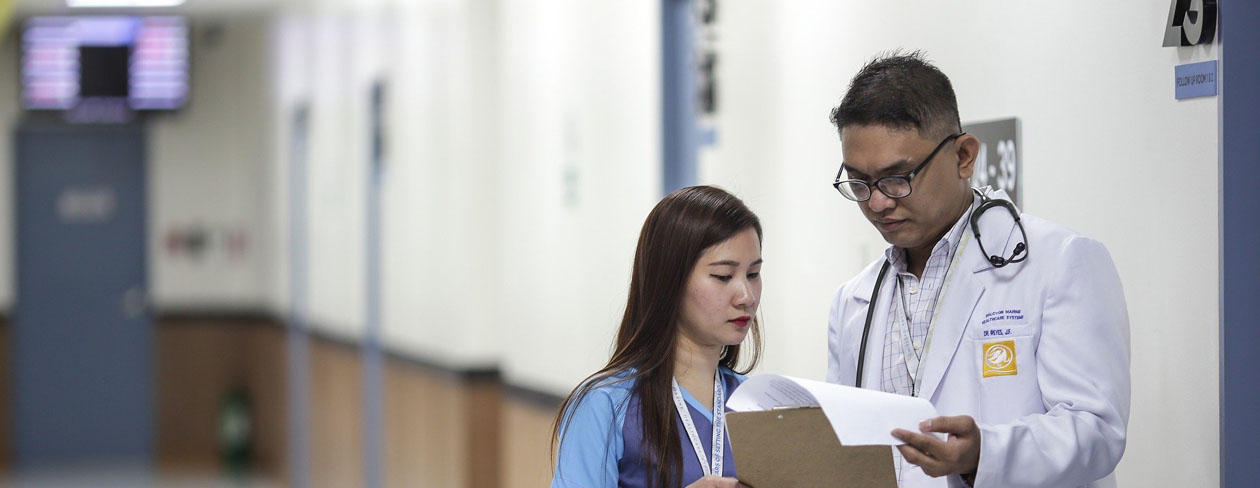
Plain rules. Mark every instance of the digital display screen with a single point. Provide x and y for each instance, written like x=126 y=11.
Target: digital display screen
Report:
x=69 y=59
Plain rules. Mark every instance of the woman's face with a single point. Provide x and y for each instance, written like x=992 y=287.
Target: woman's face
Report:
x=723 y=292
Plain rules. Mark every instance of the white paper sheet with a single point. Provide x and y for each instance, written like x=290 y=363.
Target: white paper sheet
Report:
x=860 y=417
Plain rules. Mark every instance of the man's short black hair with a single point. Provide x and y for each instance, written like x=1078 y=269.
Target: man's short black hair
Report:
x=900 y=91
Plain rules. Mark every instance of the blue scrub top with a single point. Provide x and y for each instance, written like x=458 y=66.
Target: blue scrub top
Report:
x=599 y=447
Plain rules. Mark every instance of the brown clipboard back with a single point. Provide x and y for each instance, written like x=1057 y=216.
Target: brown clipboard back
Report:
x=796 y=448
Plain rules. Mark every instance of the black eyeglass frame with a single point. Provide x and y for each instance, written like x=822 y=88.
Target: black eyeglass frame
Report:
x=906 y=177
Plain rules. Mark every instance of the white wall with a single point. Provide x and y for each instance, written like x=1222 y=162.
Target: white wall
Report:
x=1102 y=139
x=337 y=172
x=440 y=195
x=209 y=165
x=579 y=171
x=522 y=158
x=441 y=227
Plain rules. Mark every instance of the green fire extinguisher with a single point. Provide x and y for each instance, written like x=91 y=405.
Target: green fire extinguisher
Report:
x=235 y=430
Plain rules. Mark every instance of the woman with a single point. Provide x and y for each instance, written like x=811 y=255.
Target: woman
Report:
x=646 y=418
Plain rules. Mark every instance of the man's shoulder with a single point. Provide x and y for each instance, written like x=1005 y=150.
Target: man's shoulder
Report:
x=1042 y=232
x=1046 y=227
x=1051 y=235
x=1054 y=246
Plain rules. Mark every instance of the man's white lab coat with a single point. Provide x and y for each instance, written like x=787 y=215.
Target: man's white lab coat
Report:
x=1037 y=352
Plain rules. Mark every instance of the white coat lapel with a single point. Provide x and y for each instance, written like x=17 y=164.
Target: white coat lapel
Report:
x=873 y=365
x=962 y=294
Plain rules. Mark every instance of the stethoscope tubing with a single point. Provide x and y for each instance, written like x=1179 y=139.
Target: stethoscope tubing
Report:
x=870 y=313
x=985 y=204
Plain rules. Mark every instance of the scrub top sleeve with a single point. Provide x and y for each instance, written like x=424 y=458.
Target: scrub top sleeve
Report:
x=590 y=443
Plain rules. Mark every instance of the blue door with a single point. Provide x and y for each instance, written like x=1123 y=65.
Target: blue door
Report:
x=83 y=335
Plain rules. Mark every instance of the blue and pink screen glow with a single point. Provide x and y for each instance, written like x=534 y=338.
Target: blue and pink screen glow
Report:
x=143 y=59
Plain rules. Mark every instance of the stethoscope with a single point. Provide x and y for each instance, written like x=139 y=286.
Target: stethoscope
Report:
x=1018 y=254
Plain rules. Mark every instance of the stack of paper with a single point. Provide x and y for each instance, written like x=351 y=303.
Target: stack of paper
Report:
x=859 y=417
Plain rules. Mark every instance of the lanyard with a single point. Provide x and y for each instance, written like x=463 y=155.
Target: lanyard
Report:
x=914 y=362
x=910 y=352
x=719 y=425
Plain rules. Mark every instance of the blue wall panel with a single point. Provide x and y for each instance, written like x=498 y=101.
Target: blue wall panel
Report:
x=1240 y=241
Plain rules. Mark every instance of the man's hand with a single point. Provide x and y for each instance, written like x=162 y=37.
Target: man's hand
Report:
x=717 y=482
x=959 y=455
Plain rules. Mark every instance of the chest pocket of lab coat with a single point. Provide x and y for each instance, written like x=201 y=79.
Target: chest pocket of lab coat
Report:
x=1005 y=367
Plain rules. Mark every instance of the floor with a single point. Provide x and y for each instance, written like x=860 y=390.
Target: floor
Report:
x=129 y=477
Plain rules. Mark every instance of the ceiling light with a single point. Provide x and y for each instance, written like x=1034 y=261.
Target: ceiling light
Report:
x=122 y=3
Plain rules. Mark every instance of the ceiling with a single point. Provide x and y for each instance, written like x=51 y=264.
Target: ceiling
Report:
x=190 y=7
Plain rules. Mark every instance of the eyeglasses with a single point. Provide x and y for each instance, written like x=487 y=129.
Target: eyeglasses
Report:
x=896 y=186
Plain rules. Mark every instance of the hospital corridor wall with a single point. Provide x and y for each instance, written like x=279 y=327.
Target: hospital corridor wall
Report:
x=522 y=146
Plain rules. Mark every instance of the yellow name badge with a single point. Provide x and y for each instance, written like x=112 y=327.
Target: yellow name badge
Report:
x=999 y=359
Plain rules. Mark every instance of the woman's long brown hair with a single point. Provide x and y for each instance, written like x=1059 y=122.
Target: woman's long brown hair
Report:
x=677 y=231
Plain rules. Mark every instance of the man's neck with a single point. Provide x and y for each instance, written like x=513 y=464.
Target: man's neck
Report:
x=917 y=258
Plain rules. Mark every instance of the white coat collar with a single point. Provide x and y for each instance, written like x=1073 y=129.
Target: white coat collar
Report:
x=866 y=282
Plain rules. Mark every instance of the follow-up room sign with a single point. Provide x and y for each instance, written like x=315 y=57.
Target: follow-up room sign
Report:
x=1196 y=80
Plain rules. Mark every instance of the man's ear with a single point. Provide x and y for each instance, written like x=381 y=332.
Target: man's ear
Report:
x=968 y=150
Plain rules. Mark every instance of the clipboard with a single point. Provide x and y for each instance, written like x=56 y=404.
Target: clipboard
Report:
x=797 y=448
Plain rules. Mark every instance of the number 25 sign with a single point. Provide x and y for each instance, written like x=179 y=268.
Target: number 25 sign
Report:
x=1190 y=23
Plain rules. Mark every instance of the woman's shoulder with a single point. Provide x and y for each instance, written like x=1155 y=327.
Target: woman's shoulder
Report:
x=612 y=390
x=591 y=438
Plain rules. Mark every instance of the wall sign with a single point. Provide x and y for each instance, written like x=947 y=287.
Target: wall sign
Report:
x=86 y=205
x=1190 y=23
x=199 y=241
x=704 y=19
x=1195 y=80
x=998 y=164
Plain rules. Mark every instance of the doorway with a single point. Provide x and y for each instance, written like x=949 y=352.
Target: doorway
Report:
x=82 y=328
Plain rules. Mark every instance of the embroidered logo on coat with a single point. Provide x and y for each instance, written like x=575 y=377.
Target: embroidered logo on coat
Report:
x=1004 y=317
x=999 y=359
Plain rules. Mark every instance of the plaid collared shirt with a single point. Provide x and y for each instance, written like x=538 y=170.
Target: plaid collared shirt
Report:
x=915 y=298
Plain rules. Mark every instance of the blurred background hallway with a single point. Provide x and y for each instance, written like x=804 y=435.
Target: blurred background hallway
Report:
x=373 y=243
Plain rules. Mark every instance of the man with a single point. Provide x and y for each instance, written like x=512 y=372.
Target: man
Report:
x=1019 y=339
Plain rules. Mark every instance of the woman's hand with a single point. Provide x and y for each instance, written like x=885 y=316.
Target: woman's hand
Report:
x=717 y=482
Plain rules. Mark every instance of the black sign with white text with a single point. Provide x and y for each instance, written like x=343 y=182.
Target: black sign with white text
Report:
x=998 y=164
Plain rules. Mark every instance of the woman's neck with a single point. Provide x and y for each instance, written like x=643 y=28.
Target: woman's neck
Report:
x=694 y=368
